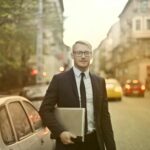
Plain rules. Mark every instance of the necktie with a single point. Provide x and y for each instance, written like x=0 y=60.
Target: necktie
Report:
x=83 y=98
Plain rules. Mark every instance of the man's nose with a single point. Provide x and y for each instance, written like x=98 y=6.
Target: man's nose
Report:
x=83 y=54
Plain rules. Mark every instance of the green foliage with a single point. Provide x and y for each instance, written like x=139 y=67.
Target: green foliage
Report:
x=17 y=39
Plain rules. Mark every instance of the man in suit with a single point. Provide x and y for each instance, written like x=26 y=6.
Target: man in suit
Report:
x=70 y=89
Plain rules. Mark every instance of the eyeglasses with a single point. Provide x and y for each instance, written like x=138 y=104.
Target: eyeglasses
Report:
x=80 y=53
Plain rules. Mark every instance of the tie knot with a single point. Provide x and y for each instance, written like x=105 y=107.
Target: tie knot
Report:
x=82 y=74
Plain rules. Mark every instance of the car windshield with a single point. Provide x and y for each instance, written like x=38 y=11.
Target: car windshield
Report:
x=134 y=83
x=109 y=81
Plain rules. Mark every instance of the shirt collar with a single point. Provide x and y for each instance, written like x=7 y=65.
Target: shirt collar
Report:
x=77 y=72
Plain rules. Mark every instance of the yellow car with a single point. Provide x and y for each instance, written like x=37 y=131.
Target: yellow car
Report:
x=114 y=89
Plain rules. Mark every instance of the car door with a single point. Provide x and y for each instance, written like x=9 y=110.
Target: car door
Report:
x=42 y=133
x=8 y=140
x=27 y=139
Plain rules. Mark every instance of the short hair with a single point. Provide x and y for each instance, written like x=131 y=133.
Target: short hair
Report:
x=82 y=42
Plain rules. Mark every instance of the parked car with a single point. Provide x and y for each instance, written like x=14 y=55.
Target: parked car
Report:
x=133 y=88
x=34 y=93
x=114 y=89
x=21 y=126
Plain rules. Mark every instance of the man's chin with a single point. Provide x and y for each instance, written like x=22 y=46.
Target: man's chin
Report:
x=83 y=67
x=84 y=64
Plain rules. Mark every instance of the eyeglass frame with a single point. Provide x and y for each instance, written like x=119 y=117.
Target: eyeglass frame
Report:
x=80 y=53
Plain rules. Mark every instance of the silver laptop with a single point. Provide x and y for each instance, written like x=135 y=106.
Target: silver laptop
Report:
x=73 y=119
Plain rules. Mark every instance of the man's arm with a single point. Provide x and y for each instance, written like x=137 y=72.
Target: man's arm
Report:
x=48 y=106
x=106 y=122
x=47 y=114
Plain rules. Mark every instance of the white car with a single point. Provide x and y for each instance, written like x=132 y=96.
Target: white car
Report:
x=21 y=126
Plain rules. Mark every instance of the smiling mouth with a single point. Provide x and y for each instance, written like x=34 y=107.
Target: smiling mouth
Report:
x=83 y=61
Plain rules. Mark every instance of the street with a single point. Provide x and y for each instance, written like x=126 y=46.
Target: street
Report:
x=131 y=123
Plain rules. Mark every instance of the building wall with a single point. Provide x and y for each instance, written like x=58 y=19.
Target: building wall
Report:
x=133 y=48
x=54 y=54
x=130 y=56
x=53 y=43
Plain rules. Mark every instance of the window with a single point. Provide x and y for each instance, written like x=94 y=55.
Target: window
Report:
x=20 y=119
x=148 y=24
x=144 y=6
x=5 y=127
x=33 y=115
x=138 y=24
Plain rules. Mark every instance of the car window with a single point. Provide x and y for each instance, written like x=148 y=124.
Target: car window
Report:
x=33 y=115
x=20 y=120
x=5 y=127
x=112 y=82
x=136 y=84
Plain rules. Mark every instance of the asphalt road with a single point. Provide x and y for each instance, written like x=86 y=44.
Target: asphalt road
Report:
x=131 y=123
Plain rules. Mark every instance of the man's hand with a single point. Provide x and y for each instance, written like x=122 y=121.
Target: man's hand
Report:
x=66 y=136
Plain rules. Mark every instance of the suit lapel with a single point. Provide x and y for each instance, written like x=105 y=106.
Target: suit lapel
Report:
x=96 y=98
x=94 y=83
x=74 y=85
x=95 y=88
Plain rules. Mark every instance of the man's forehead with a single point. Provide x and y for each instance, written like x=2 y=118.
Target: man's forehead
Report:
x=82 y=45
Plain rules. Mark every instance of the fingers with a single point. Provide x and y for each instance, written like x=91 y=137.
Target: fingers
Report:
x=73 y=136
x=66 y=137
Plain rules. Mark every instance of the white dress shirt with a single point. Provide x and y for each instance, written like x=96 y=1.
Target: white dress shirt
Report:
x=89 y=96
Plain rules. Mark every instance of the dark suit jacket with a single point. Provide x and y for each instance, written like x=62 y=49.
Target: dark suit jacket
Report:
x=63 y=93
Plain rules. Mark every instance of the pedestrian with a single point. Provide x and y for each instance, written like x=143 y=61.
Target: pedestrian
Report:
x=65 y=91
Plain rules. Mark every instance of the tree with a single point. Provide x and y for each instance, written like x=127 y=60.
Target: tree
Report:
x=17 y=40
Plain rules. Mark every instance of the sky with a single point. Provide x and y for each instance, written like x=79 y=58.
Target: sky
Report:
x=90 y=20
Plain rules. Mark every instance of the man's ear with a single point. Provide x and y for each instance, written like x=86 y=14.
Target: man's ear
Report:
x=72 y=56
x=91 y=58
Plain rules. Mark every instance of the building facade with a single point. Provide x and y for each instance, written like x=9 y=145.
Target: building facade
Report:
x=53 y=54
x=130 y=57
x=134 y=49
